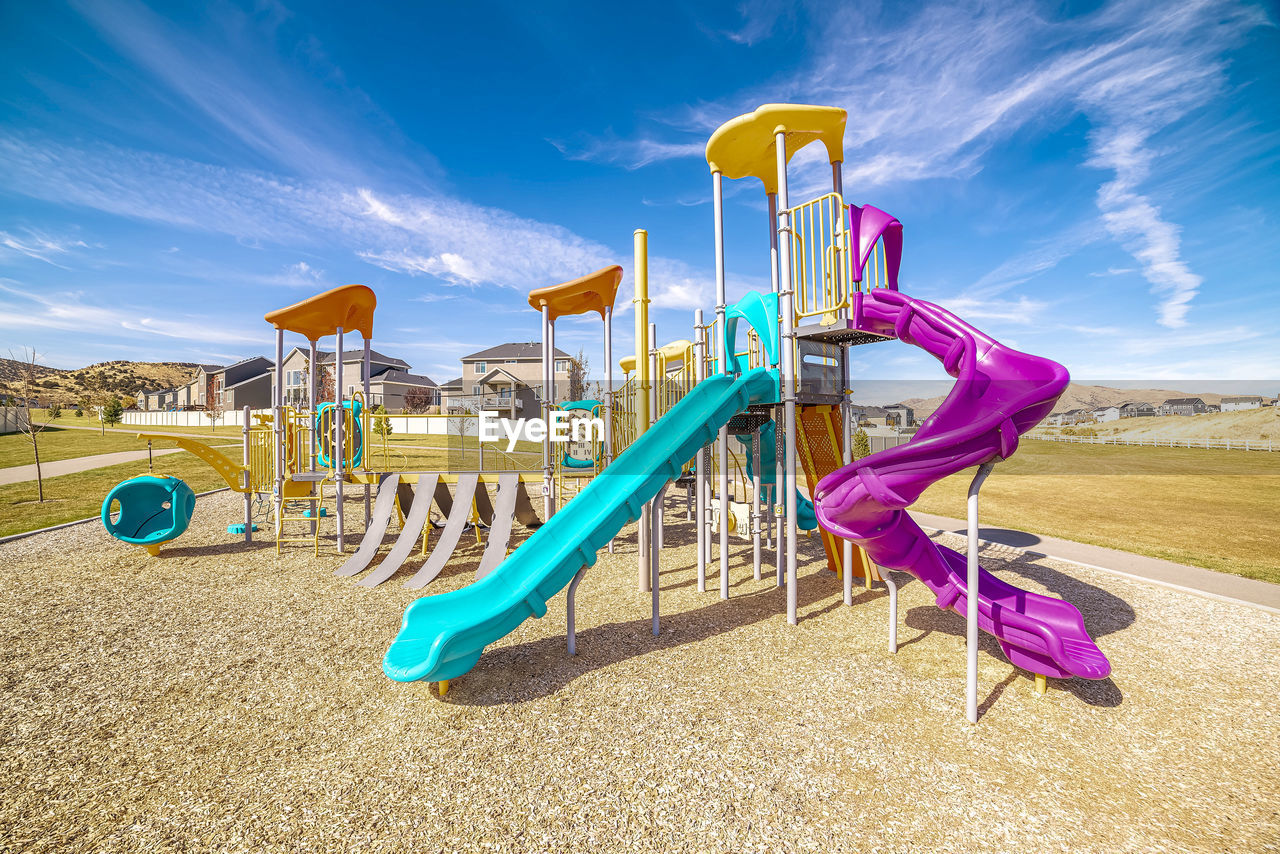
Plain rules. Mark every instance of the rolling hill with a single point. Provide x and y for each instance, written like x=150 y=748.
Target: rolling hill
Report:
x=57 y=385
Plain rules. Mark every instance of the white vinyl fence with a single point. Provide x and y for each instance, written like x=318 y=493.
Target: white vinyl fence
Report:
x=1158 y=442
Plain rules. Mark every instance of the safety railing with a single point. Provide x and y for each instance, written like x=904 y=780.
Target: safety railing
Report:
x=820 y=258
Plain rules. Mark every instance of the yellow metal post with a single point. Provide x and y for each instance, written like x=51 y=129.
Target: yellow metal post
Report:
x=641 y=301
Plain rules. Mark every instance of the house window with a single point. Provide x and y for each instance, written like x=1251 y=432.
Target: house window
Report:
x=562 y=366
x=505 y=394
x=480 y=367
x=509 y=361
x=475 y=389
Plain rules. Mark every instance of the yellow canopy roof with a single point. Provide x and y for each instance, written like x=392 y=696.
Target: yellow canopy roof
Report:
x=592 y=292
x=745 y=148
x=670 y=354
x=349 y=306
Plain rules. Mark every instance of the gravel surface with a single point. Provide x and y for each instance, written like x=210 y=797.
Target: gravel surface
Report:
x=221 y=698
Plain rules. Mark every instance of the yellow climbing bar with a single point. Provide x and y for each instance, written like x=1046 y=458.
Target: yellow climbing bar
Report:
x=743 y=147
x=230 y=471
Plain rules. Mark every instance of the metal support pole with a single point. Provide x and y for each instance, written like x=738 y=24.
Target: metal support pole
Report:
x=571 y=632
x=654 y=582
x=647 y=533
x=779 y=504
x=313 y=380
x=846 y=458
x=551 y=402
x=700 y=465
x=786 y=310
x=757 y=518
x=971 y=595
x=892 y=587
x=837 y=178
x=608 y=385
x=548 y=378
x=339 y=443
x=278 y=421
x=248 y=478
x=722 y=360
x=364 y=433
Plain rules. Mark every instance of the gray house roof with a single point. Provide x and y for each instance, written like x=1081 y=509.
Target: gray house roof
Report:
x=497 y=372
x=326 y=356
x=1183 y=401
x=453 y=383
x=1243 y=398
x=513 y=350
x=405 y=378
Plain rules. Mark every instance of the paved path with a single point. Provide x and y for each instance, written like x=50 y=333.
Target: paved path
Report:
x=1205 y=582
x=20 y=474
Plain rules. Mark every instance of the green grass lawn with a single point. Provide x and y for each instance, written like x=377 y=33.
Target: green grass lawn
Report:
x=58 y=443
x=78 y=496
x=1215 y=509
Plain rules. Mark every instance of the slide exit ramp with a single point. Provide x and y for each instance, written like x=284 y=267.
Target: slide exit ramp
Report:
x=443 y=636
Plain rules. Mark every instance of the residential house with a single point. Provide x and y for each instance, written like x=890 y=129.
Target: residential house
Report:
x=390 y=378
x=390 y=387
x=1137 y=409
x=509 y=377
x=450 y=392
x=246 y=383
x=1106 y=413
x=1183 y=406
x=1072 y=416
x=1236 y=403
x=899 y=415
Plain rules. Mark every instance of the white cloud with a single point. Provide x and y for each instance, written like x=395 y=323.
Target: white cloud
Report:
x=68 y=312
x=929 y=93
x=39 y=246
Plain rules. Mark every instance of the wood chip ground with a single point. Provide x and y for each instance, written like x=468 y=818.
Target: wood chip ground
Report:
x=222 y=699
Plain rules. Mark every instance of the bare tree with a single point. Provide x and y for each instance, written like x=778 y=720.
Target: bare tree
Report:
x=28 y=374
x=578 y=366
x=213 y=411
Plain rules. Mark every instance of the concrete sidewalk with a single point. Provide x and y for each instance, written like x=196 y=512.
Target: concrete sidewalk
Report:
x=19 y=474
x=1193 y=579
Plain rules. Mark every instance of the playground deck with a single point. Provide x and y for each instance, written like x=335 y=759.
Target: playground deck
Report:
x=220 y=698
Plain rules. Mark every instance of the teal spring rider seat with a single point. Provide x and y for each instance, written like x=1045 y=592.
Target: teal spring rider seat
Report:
x=154 y=509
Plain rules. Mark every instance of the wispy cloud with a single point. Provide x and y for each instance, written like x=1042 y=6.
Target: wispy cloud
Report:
x=929 y=94
x=25 y=309
x=39 y=246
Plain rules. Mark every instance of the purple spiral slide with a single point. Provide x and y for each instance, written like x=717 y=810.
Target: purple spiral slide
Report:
x=1000 y=393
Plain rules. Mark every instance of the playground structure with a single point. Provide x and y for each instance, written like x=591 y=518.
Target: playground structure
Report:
x=733 y=424
x=834 y=271
x=300 y=460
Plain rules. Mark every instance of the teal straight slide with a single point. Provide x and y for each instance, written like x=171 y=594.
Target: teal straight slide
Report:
x=442 y=636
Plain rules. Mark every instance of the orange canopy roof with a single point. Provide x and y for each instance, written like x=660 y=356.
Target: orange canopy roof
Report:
x=349 y=306
x=592 y=292
x=745 y=147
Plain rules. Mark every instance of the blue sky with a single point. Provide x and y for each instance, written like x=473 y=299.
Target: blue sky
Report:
x=1094 y=182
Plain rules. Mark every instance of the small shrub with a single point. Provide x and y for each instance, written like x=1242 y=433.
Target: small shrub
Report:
x=381 y=425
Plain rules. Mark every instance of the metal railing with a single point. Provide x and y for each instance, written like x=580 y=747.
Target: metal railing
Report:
x=823 y=255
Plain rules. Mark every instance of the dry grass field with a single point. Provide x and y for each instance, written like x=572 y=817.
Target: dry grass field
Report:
x=221 y=698
x=1215 y=509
